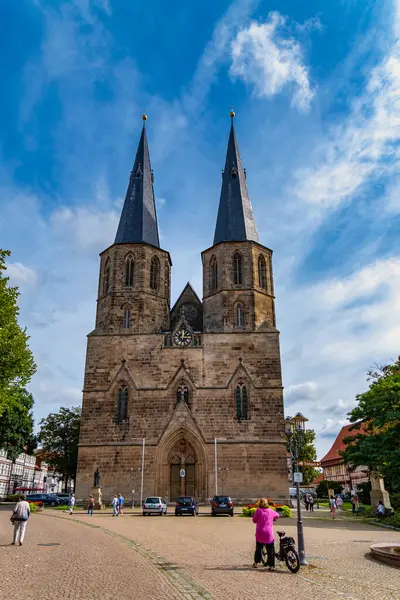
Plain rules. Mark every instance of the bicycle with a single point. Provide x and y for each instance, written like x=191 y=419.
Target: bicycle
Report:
x=287 y=553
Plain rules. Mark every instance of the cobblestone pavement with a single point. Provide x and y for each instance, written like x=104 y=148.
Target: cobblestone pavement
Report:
x=65 y=560
x=217 y=554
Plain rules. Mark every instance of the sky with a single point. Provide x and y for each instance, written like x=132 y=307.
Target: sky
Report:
x=316 y=90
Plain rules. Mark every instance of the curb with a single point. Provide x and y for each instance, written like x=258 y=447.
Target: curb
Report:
x=189 y=589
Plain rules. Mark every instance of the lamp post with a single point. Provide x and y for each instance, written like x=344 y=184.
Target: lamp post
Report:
x=142 y=468
x=216 y=462
x=223 y=473
x=133 y=472
x=297 y=425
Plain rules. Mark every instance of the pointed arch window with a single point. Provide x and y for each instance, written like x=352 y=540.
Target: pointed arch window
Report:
x=237 y=269
x=127 y=318
x=241 y=402
x=122 y=404
x=262 y=272
x=213 y=274
x=182 y=393
x=129 y=271
x=239 y=318
x=154 y=273
x=106 y=276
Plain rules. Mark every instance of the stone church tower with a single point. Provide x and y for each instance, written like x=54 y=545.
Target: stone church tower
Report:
x=193 y=383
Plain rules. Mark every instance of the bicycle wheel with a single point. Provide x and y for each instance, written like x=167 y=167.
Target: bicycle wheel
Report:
x=264 y=555
x=292 y=560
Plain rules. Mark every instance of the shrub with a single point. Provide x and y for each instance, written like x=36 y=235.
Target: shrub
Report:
x=394 y=520
x=284 y=511
x=250 y=509
x=395 y=501
x=13 y=498
x=32 y=506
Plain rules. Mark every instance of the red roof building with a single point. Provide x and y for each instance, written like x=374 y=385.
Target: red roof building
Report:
x=333 y=465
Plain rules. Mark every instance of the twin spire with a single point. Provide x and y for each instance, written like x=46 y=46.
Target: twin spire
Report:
x=235 y=221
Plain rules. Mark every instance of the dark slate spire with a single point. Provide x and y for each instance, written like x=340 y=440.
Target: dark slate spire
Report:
x=235 y=221
x=138 y=221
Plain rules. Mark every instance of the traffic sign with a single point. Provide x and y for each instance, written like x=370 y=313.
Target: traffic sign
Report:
x=298 y=477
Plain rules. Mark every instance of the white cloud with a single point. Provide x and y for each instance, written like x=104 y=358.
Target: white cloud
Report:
x=361 y=147
x=89 y=227
x=160 y=203
x=301 y=391
x=264 y=56
x=20 y=274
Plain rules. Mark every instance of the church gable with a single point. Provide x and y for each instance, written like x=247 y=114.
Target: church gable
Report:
x=190 y=307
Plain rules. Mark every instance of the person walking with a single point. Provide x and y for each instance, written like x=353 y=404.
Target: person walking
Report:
x=332 y=506
x=19 y=519
x=90 y=506
x=115 y=504
x=306 y=501
x=121 y=501
x=354 y=503
x=71 y=503
x=264 y=518
x=311 y=503
x=339 y=504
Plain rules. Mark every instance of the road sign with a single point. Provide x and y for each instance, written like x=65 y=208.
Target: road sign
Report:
x=298 y=477
x=182 y=472
x=309 y=463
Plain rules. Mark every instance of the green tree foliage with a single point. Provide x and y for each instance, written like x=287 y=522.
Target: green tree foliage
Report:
x=16 y=424
x=378 y=413
x=322 y=489
x=307 y=452
x=59 y=438
x=16 y=360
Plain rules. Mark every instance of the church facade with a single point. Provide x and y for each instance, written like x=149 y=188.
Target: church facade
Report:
x=198 y=386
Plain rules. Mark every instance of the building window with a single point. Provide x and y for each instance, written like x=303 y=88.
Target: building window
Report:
x=262 y=272
x=241 y=402
x=239 y=320
x=129 y=271
x=154 y=273
x=127 y=318
x=213 y=274
x=237 y=268
x=106 y=276
x=182 y=393
x=122 y=404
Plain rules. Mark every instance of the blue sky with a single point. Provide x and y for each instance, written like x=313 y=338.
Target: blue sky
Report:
x=316 y=89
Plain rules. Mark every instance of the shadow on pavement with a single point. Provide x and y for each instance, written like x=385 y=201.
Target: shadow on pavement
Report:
x=247 y=568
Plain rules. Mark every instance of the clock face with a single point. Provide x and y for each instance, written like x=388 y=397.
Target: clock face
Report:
x=182 y=337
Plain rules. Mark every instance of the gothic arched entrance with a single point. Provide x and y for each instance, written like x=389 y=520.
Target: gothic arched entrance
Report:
x=182 y=458
x=181 y=449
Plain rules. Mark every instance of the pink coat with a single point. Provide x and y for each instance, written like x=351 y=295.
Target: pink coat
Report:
x=264 y=519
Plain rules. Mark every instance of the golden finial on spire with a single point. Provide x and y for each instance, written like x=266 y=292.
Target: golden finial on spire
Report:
x=144 y=117
x=232 y=113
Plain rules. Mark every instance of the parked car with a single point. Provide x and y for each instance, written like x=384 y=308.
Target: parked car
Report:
x=63 y=497
x=221 y=505
x=155 y=505
x=47 y=499
x=186 y=505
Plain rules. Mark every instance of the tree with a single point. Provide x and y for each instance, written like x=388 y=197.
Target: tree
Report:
x=377 y=420
x=59 y=438
x=16 y=360
x=16 y=424
x=307 y=452
x=322 y=489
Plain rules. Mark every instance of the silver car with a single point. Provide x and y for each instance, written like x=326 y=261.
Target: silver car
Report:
x=156 y=505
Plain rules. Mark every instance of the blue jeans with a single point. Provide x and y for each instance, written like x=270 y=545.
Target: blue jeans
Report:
x=90 y=511
x=115 y=511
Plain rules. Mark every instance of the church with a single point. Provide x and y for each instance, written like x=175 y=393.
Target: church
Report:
x=193 y=393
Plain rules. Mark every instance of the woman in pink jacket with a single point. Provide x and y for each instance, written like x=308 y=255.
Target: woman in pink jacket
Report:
x=264 y=518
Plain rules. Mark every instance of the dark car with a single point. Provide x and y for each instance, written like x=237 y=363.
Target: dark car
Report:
x=186 y=505
x=47 y=499
x=221 y=505
x=63 y=497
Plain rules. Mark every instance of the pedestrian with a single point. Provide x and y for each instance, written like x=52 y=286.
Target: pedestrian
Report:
x=354 y=503
x=332 y=506
x=71 y=503
x=115 y=506
x=90 y=506
x=121 y=501
x=380 y=511
x=311 y=503
x=264 y=518
x=339 y=504
x=19 y=519
x=306 y=502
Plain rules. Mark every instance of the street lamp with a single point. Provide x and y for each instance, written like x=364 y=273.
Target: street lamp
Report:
x=216 y=462
x=133 y=472
x=142 y=468
x=297 y=425
x=223 y=473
